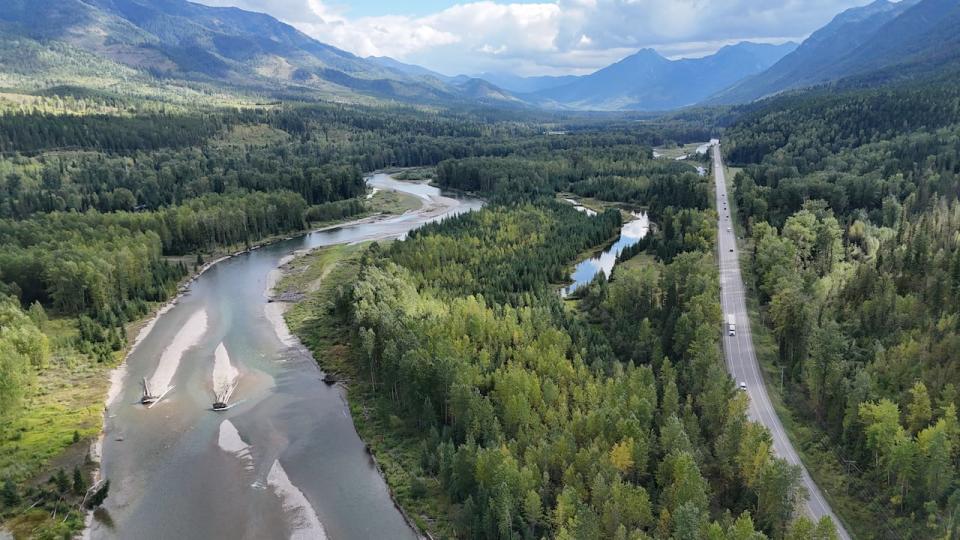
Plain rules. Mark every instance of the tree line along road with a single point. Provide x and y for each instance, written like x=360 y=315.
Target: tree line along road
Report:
x=738 y=349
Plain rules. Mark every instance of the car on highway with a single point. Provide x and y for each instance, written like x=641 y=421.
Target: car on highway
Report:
x=743 y=386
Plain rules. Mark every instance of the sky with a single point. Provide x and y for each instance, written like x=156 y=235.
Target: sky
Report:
x=543 y=37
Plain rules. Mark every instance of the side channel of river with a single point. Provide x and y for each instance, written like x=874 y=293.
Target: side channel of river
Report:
x=285 y=461
x=630 y=234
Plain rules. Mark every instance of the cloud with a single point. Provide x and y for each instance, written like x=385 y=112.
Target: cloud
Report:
x=563 y=36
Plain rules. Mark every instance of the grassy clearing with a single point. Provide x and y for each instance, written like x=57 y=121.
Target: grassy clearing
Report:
x=251 y=135
x=67 y=399
x=319 y=275
x=305 y=274
x=641 y=260
x=811 y=444
x=673 y=152
x=53 y=429
x=393 y=202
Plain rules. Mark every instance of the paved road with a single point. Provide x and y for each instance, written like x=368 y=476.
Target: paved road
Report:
x=739 y=353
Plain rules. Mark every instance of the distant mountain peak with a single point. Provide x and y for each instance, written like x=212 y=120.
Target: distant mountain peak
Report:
x=646 y=80
x=752 y=45
x=645 y=54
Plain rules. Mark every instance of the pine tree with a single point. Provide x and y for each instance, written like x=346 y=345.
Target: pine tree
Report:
x=9 y=493
x=79 y=484
x=62 y=481
x=99 y=496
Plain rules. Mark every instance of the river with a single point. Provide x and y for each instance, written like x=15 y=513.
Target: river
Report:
x=285 y=461
x=632 y=232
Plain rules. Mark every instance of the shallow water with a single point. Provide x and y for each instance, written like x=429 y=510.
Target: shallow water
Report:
x=632 y=232
x=580 y=208
x=285 y=461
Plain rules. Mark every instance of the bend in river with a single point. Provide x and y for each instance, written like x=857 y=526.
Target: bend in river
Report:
x=632 y=232
x=285 y=461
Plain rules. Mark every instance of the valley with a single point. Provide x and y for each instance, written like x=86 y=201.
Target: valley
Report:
x=474 y=271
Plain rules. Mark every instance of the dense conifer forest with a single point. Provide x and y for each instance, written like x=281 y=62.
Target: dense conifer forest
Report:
x=134 y=152
x=102 y=213
x=535 y=420
x=609 y=415
x=850 y=204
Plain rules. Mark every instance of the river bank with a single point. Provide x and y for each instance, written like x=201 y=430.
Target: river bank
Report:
x=605 y=258
x=138 y=331
x=313 y=282
x=315 y=278
x=281 y=412
x=73 y=397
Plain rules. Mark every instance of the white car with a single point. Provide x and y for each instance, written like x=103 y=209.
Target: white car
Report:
x=743 y=386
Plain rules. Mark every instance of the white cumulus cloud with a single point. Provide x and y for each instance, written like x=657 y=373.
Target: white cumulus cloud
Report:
x=551 y=37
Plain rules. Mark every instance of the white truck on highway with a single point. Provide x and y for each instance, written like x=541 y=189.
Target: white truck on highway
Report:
x=731 y=325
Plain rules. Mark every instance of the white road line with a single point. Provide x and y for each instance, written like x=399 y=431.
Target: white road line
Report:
x=739 y=354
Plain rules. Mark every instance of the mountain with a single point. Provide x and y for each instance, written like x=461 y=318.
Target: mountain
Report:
x=484 y=91
x=181 y=39
x=412 y=69
x=876 y=43
x=526 y=85
x=648 y=81
x=922 y=39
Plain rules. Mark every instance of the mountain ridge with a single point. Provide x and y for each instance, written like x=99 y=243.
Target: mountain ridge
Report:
x=223 y=45
x=869 y=45
x=648 y=81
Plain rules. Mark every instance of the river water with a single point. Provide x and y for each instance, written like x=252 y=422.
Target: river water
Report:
x=285 y=461
x=632 y=232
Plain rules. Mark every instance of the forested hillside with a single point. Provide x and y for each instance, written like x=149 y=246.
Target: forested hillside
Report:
x=850 y=204
x=527 y=416
x=142 y=139
x=107 y=200
x=226 y=47
x=865 y=46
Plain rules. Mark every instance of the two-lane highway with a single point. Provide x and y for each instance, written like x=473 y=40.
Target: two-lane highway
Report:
x=738 y=349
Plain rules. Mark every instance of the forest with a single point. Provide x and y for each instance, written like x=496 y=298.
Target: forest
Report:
x=107 y=202
x=621 y=172
x=850 y=205
x=610 y=416
x=513 y=412
x=534 y=425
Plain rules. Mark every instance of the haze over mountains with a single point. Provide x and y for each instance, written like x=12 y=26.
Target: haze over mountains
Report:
x=177 y=39
x=644 y=80
x=648 y=81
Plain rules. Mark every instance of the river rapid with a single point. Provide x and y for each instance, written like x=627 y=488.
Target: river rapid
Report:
x=285 y=460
